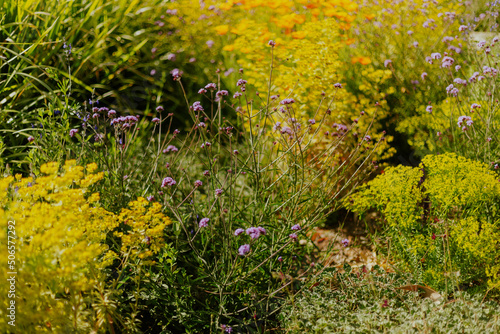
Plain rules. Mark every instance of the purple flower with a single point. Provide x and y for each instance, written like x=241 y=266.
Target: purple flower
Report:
x=176 y=73
x=198 y=183
x=151 y=198
x=202 y=91
x=156 y=120
x=204 y=222
x=387 y=62
x=238 y=231
x=201 y=125
x=176 y=131
x=415 y=44
x=296 y=227
x=235 y=152
x=211 y=86
x=244 y=249
x=271 y=43
x=423 y=75
x=241 y=82
x=192 y=60
x=293 y=236
x=474 y=106
x=287 y=101
x=159 y=109
x=436 y=55
x=170 y=148
x=428 y=109
x=457 y=68
x=255 y=232
x=218 y=192
x=168 y=181
x=462 y=28
x=111 y=113
x=337 y=85
x=31 y=139
x=206 y=144
x=171 y=56
x=206 y=173
x=312 y=121
x=236 y=95
x=277 y=126
x=345 y=242
x=72 y=132
x=210 y=43
x=280 y=259
x=464 y=119
x=197 y=106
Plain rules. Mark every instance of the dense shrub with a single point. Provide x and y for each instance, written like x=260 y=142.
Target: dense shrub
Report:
x=441 y=219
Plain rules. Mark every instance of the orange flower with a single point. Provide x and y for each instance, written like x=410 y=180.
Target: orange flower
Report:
x=299 y=34
x=222 y=29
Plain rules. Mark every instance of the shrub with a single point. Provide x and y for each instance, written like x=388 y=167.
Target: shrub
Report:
x=441 y=219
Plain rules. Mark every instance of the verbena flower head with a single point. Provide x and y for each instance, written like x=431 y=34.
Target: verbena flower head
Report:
x=218 y=192
x=387 y=62
x=475 y=106
x=156 y=120
x=345 y=242
x=31 y=139
x=198 y=183
x=428 y=109
x=204 y=222
x=337 y=85
x=238 y=231
x=211 y=86
x=271 y=43
x=176 y=73
x=170 y=148
x=436 y=55
x=424 y=75
x=293 y=236
x=202 y=91
x=197 y=106
x=72 y=132
x=255 y=232
x=168 y=181
x=296 y=227
x=244 y=249
x=287 y=101
x=464 y=122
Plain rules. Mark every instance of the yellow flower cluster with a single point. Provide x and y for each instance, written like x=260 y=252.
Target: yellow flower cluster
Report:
x=58 y=231
x=145 y=224
x=442 y=214
x=58 y=245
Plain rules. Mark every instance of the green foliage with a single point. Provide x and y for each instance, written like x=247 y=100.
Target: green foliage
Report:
x=442 y=218
x=371 y=303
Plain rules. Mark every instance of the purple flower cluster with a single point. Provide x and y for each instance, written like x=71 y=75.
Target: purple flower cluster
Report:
x=287 y=101
x=168 y=181
x=124 y=122
x=170 y=148
x=203 y=222
x=255 y=232
x=464 y=119
x=197 y=106
x=244 y=249
x=176 y=73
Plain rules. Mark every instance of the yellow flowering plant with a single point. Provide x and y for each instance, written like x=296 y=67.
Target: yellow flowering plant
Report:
x=441 y=219
x=58 y=236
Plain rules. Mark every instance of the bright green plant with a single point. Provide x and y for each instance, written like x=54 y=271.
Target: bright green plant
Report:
x=441 y=219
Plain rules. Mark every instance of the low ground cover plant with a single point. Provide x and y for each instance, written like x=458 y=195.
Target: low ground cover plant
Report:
x=371 y=301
